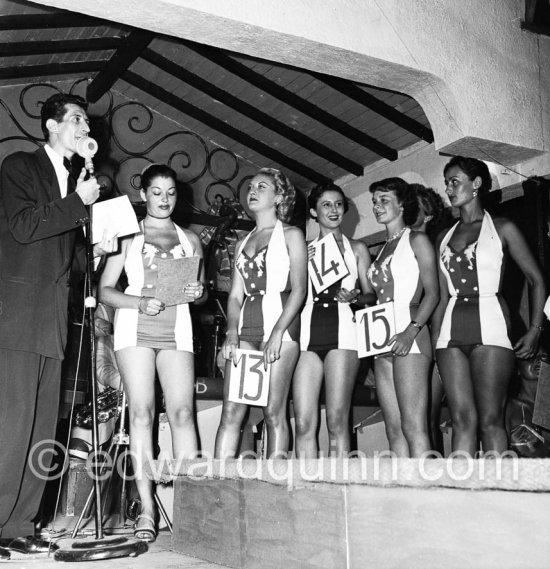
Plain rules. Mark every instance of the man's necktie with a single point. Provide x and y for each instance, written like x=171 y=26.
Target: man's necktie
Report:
x=71 y=184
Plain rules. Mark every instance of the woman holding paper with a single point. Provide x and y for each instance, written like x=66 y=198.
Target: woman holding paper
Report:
x=404 y=273
x=267 y=292
x=328 y=340
x=153 y=336
x=472 y=324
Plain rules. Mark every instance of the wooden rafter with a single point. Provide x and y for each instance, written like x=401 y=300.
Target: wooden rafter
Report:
x=134 y=44
x=57 y=20
x=71 y=68
x=222 y=127
x=354 y=92
x=252 y=112
x=61 y=46
x=288 y=97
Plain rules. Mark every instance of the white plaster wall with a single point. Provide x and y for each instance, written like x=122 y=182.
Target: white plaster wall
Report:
x=421 y=164
x=467 y=62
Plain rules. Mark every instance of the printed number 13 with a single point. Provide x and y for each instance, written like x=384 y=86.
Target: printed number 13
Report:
x=256 y=368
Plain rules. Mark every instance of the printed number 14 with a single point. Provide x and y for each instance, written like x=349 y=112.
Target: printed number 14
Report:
x=324 y=270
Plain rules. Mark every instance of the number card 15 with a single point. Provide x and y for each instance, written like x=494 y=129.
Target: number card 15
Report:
x=327 y=266
x=248 y=380
x=375 y=326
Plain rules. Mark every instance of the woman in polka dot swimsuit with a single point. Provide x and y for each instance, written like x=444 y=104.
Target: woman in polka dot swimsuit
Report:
x=404 y=273
x=263 y=309
x=151 y=338
x=472 y=325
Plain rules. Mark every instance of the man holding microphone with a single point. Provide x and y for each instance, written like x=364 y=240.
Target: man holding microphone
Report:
x=42 y=210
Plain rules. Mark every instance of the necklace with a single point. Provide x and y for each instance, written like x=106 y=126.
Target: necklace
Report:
x=396 y=234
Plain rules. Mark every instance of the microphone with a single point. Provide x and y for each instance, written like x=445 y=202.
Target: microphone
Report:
x=86 y=148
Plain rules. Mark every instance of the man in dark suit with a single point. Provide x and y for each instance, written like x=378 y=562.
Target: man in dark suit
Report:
x=42 y=210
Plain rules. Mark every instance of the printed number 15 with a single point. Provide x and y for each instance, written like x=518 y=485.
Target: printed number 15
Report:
x=373 y=317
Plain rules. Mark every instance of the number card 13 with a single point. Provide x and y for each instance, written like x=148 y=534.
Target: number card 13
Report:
x=327 y=265
x=375 y=326
x=248 y=380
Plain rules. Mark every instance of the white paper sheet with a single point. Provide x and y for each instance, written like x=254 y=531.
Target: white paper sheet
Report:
x=115 y=216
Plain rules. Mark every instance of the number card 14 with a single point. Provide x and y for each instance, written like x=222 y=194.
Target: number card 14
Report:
x=248 y=380
x=375 y=326
x=328 y=265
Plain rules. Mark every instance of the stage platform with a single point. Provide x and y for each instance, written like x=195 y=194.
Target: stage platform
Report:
x=375 y=512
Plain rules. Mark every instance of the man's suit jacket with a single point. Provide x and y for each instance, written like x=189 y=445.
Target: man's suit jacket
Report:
x=37 y=235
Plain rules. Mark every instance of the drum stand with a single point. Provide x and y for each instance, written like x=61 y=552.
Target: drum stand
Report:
x=119 y=442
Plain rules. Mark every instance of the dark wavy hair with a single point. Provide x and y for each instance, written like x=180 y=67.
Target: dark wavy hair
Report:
x=405 y=195
x=316 y=193
x=284 y=188
x=153 y=171
x=431 y=202
x=472 y=167
x=55 y=107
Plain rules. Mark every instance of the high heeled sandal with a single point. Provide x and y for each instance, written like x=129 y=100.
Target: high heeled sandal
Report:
x=144 y=528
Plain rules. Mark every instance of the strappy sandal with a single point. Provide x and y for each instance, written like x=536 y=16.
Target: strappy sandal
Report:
x=144 y=528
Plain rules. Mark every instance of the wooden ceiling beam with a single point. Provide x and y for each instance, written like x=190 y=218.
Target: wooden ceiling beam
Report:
x=29 y=71
x=134 y=43
x=381 y=108
x=222 y=127
x=61 y=46
x=252 y=112
x=57 y=20
x=288 y=97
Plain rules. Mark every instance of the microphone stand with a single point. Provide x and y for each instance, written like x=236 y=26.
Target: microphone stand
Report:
x=101 y=548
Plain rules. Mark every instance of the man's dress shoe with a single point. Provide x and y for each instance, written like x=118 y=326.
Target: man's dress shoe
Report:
x=4 y=554
x=31 y=544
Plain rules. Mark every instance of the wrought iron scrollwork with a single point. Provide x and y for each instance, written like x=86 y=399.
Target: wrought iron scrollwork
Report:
x=134 y=137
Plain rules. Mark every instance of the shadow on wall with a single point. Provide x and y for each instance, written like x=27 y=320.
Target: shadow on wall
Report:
x=351 y=219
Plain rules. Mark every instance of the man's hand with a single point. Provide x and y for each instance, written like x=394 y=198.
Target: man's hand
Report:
x=107 y=245
x=88 y=190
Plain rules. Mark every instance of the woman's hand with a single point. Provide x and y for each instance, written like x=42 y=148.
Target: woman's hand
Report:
x=194 y=290
x=403 y=341
x=272 y=348
x=347 y=296
x=229 y=347
x=150 y=306
x=526 y=347
x=310 y=252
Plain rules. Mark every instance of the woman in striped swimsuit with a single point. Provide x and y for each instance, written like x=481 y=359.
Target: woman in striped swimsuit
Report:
x=404 y=273
x=328 y=340
x=267 y=292
x=151 y=338
x=474 y=352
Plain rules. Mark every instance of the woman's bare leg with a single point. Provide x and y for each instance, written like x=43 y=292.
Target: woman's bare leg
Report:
x=137 y=368
x=492 y=368
x=229 y=432
x=275 y=414
x=385 y=389
x=306 y=387
x=410 y=376
x=340 y=373
x=454 y=368
x=176 y=372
